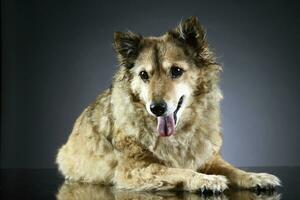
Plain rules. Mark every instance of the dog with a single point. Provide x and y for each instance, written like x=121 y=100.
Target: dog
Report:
x=158 y=126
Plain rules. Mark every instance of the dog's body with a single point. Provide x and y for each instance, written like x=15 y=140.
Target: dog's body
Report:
x=127 y=136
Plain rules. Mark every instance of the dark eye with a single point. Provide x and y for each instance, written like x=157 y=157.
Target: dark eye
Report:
x=144 y=75
x=176 y=72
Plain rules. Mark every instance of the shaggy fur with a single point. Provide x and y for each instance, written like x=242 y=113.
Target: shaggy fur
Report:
x=115 y=141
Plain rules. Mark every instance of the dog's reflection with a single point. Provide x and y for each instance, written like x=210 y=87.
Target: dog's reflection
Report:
x=76 y=191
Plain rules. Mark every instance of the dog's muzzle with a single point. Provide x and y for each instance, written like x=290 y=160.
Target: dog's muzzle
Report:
x=165 y=123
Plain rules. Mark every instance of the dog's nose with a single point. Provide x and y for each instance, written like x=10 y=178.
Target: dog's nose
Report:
x=158 y=108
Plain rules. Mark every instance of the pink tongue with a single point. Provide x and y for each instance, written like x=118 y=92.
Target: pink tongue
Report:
x=166 y=125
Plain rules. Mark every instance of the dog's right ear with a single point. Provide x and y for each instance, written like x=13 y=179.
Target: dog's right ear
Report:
x=127 y=46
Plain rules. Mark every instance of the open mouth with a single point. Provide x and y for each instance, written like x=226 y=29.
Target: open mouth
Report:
x=166 y=124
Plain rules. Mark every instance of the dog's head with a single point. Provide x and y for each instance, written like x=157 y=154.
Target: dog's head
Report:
x=167 y=71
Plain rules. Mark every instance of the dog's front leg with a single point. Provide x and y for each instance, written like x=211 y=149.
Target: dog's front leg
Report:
x=240 y=178
x=143 y=176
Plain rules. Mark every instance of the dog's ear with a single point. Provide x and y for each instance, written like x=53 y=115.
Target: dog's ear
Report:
x=127 y=45
x=191 y=33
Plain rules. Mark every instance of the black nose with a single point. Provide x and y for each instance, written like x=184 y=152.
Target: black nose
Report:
x=158 y=108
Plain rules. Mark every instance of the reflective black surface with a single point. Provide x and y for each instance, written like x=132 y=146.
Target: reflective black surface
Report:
x=49 y=184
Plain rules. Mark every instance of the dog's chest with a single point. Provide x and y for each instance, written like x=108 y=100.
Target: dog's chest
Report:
x=180 y=152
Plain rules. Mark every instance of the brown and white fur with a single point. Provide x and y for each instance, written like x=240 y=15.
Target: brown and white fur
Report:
x=116 y=141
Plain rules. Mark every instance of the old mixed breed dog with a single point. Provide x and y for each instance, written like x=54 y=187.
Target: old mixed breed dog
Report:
x=158 y=126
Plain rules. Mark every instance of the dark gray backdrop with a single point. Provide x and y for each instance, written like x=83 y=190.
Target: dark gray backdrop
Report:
x=57 y=56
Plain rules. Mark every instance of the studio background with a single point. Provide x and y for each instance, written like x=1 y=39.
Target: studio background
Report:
x=57 y=56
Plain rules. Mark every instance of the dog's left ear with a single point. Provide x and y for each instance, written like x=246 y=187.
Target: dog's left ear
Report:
x=127 y=46
x=190 y=32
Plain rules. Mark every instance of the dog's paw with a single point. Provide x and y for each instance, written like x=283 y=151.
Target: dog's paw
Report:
x=212 y=183
x=260 y=181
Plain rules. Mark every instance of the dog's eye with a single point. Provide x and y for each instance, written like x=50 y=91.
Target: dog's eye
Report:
x=176 y=72
x=144 y=75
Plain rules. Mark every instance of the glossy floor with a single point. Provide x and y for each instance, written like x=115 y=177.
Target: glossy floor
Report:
x=48 y=184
